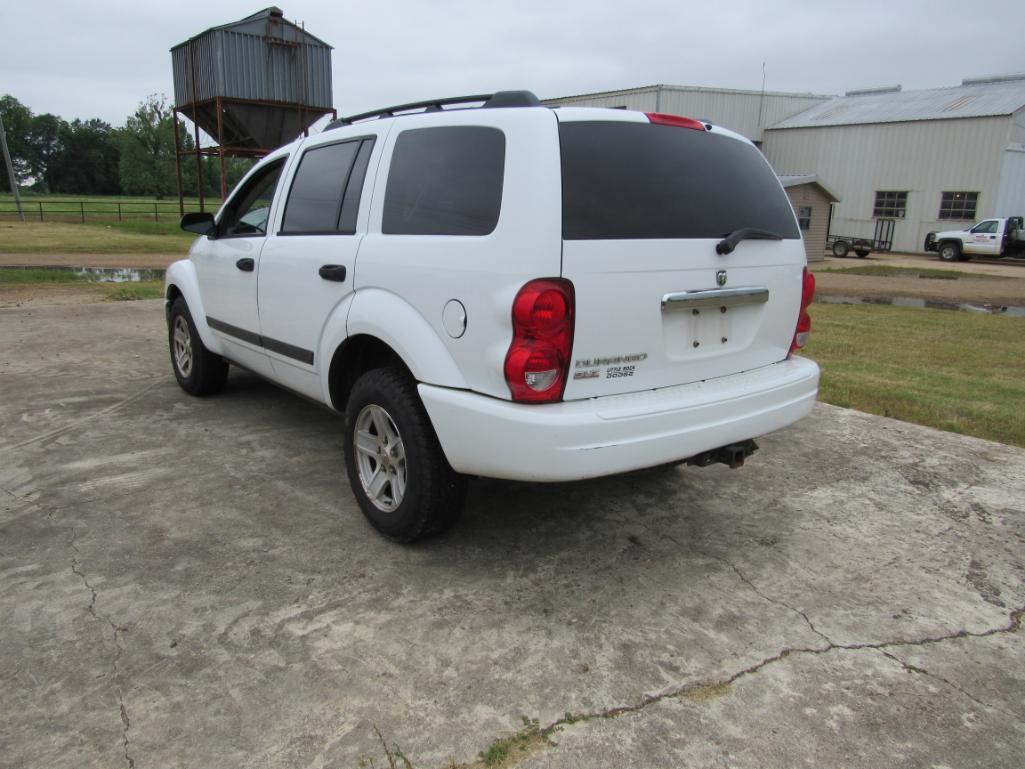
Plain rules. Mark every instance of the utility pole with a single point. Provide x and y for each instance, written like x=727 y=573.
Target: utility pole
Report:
x=10 y=170
x=761 y=102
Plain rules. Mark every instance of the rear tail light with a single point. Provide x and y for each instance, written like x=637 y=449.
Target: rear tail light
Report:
x=660 y=118
x=803 y=318
x=537 y=364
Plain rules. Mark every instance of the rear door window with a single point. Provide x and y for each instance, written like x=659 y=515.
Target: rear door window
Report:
x=640 y=181
x=325 y=194
x=445 y=181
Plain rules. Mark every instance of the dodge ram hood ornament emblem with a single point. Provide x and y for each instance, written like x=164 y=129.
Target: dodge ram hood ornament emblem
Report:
x=720 y=277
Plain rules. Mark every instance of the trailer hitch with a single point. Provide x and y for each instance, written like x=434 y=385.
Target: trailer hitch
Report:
x=732 y=455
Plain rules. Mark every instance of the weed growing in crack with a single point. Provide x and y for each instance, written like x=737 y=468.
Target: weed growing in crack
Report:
x=391 y=754
x=505 y=749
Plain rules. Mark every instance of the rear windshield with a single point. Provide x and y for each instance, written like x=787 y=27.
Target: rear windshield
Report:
x=642 y=181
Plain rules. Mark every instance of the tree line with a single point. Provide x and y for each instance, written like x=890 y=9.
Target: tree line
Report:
x=91 y=157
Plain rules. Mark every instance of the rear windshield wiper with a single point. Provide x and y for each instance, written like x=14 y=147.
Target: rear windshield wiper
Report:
x=727 y=244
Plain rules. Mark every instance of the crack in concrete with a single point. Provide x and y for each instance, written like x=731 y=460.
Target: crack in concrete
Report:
x=704 y=689
x=915 y=670
x=117 y=630
x=743 y=578
x=767 y=597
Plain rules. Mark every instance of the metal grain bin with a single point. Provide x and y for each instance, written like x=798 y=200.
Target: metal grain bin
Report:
x=253 y=84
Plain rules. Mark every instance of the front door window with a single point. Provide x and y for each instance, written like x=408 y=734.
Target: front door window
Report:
x=247 y=213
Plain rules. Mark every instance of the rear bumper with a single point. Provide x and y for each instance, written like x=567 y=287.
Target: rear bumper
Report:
x=602 y=436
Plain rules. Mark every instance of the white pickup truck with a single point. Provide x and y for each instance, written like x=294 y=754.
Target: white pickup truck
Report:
x=994 y=238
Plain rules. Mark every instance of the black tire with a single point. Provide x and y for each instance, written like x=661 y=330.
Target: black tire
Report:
x=433 y=497
x=949 y=251
x=840 y=248
x=862 y=252
x=206 y=372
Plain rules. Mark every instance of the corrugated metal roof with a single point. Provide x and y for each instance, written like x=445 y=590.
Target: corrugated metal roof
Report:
x=795 y=180
x=261 y=23
x=690 y=88
x=972 y=100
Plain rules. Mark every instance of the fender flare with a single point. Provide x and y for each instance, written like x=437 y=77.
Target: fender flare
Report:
x=382 y=314
x=182 y=275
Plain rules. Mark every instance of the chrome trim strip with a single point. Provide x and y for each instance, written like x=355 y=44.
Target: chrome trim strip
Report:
x=715 y=297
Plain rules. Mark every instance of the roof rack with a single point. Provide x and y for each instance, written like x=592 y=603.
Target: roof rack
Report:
x=491 y=100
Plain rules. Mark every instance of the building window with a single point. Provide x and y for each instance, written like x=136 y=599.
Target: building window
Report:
x=958 y=205
x=804 y=217
x=890 y=204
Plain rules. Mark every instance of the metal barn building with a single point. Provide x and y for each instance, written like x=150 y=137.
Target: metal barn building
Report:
x=912 y=161
x=900 y=163
x=746 y=112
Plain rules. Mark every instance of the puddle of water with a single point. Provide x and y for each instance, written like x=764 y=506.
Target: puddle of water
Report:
x=912 y=301
x=118 y=274
x=102 y=274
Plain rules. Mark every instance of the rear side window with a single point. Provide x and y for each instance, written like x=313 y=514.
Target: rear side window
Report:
x=326 y=190
x=641 y=181
x=445 y=181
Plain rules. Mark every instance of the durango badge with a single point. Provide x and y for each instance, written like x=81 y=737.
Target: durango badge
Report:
x=720 y=277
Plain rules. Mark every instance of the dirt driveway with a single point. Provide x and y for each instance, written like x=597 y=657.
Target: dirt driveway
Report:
x=999 y=284
x=189 y=583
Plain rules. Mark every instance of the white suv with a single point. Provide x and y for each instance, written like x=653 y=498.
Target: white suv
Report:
x=519 y=292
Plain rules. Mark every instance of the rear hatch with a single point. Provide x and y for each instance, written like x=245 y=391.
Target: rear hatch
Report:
x=644 y=206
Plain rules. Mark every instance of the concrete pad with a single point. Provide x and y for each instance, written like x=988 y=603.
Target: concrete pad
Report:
x=189 y=582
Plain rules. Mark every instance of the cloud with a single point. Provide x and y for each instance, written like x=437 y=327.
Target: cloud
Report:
x=100 y=59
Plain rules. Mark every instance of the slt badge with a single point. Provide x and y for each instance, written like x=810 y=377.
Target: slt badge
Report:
x=720 y=277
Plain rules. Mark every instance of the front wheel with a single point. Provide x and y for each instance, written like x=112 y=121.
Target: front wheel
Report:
x=198 y=371
x=950 y=252
x=397 y=469
x=840 y=248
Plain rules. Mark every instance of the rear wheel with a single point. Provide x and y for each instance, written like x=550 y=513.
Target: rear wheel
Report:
x=862 y=252
x=198 y=371
x=840 y=248
x=950 y=252
x=397 y=469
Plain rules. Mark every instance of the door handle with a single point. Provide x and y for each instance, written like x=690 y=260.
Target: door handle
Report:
x=335 y=272
x=246 y=264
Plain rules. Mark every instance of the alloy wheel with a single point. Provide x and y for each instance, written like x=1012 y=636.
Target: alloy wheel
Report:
x=380 y=458
x=182 y=346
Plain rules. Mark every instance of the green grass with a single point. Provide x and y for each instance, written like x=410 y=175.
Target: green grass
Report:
x=18 y=276
x=127 y=291
x=132 y=237
x=957 y=371
x=135 y=230
x=885 y=271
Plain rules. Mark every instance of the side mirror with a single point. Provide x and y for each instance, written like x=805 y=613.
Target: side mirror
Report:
x=199 y=222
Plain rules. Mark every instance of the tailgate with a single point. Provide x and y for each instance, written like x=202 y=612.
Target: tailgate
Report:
x=643 y=208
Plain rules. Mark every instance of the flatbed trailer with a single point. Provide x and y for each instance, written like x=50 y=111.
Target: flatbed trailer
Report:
x=842 y=245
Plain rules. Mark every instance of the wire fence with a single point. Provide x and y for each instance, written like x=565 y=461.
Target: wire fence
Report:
x=99 y=210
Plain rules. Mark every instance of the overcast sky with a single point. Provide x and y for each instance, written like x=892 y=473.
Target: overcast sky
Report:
x=101 y=58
